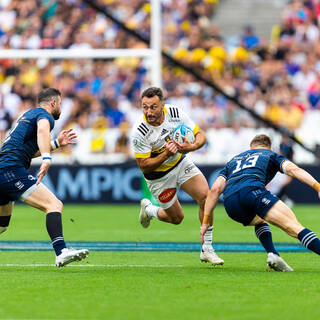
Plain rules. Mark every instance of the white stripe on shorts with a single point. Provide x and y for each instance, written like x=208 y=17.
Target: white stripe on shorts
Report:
x=28 y=192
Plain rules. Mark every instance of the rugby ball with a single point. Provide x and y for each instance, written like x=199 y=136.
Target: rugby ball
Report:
x=183 y=131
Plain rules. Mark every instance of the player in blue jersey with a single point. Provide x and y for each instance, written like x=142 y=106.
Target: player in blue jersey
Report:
x=246 y=200
x=29 y=138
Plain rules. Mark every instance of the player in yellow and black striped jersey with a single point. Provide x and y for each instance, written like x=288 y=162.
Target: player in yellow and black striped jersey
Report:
x=166 y=167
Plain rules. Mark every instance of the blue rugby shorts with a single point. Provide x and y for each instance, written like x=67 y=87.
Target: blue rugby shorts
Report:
x=15 y=183
x=245 y=204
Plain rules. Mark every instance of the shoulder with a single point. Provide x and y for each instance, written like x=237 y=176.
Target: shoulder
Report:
x=173 y=111
x=40 y=113
x=140 y=128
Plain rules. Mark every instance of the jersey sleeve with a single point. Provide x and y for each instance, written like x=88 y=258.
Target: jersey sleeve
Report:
x=140 y=148
x=278 y=160
x=185 y=119
x=224 y=173
x=45 y=115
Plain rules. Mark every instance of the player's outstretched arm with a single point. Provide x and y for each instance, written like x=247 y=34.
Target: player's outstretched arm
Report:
x=292 y=170
x=43 y=139
x=211 y=202
x=66 y=137
x=149 y=164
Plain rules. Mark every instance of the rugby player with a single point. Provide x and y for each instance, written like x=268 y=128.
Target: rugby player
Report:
x=246 y=200
x=29 y=138
x=166 y=167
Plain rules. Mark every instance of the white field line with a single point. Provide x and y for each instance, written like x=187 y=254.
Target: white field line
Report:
x=93 y=266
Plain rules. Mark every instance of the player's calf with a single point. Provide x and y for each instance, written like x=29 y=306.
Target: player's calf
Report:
x=309 y=240
x=4 y=223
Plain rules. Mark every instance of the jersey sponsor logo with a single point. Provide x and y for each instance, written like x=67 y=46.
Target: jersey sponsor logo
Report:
x=167 y=195
x=135 y=142
x=19 y=185
x=164 y=131
x=266 y=201
x=31 y=177
x=189 y=168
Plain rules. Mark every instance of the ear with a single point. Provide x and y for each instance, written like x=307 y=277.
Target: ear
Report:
x=53 y=102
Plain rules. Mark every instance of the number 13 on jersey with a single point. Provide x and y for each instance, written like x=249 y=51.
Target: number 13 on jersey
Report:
x=246 y=163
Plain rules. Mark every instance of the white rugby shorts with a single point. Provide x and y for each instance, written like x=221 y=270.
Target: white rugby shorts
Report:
x=165 y=189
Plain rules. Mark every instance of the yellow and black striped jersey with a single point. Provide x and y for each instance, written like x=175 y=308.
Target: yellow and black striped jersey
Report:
x=149 y=141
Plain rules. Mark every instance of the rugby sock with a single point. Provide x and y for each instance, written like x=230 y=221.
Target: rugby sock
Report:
x=264 y=234
x=54 y=228
x=4 y=223
x=309 y=240
x=152 y=211
x=208 y=238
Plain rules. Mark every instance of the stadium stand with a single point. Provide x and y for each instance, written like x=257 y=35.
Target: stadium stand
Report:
x=277 y=79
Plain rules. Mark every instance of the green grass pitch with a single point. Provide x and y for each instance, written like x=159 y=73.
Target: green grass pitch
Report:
x=153 y=285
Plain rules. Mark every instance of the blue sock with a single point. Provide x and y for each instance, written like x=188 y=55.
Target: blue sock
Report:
x=264 y=234
x=309 y=240
x=54 y=228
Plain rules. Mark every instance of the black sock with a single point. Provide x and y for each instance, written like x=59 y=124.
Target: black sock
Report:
x=54 y=228
x=264 y=234
x=309 y=240
x=4 y=221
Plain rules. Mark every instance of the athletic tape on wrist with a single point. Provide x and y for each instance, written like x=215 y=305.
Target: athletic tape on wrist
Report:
x=54 y=144
x=316 y=186
x=46 y=157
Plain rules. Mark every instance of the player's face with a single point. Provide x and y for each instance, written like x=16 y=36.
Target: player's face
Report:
x=56 y=104
x=153 y=110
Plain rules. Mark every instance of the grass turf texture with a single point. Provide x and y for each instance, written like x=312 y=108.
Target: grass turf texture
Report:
x=162 y=286
x=155 y=285
x=120 y=223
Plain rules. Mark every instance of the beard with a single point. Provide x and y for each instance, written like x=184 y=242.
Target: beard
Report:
x=56 y=115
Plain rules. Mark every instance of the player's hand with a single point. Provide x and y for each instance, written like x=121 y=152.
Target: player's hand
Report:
x=43 y=170
x=66 y=137
x=319 y=194
x=203 y=230
x=184 y=147
x=171 y=148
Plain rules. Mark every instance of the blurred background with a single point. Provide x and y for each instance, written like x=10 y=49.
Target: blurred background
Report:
x=237 y=67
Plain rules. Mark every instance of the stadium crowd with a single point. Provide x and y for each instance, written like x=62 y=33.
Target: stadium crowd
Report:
x=277 y=79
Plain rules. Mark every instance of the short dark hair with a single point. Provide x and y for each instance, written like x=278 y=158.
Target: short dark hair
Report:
x=46 y=95
x=261 y=140
x=151 y=92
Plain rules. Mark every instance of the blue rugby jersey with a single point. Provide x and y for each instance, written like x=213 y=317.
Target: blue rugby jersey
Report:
x=21 y=144
x=251 y=168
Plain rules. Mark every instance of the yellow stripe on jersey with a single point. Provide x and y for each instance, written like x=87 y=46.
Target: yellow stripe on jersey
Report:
x=142 y=155
x=195 y=130
x=158 y=151
x=167 y=166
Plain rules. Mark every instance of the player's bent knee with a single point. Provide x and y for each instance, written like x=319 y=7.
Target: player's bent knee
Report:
x=177 y=220
x=201 y=199
x=55 y=206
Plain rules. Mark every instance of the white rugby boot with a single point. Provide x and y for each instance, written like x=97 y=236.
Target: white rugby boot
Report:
x=69 y=255
x=144 y=218
x=277 y=263
x=209 y=255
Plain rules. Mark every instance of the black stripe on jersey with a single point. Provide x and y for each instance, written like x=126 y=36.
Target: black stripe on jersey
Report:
x=143 y=129
x=143 y=125
x=143 y=133
x=174 y=112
